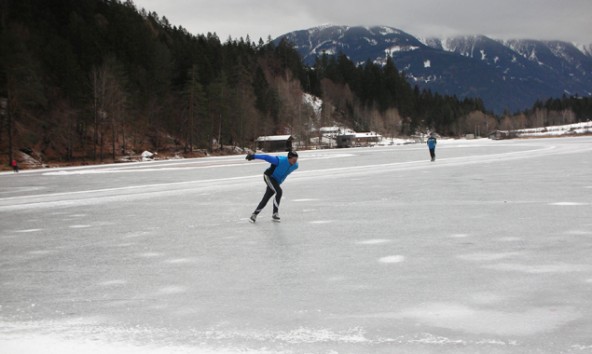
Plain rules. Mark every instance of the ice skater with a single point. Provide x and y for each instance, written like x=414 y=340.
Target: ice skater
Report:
x=281 y=167
x=432 y=146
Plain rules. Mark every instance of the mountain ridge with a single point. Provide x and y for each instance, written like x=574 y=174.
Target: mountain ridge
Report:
x=509 y=75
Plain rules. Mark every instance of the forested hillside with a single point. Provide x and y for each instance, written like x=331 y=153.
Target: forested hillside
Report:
x=96 y=80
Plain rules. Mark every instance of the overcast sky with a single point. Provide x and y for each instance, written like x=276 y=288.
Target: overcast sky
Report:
x=568 y=20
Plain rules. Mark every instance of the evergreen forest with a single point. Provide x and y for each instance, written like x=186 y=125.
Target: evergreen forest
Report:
x=89 y=81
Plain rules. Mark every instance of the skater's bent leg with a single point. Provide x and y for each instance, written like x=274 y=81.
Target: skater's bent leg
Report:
x=268 y=194
x=272 y=188
x=276 y=201
x=272 y=184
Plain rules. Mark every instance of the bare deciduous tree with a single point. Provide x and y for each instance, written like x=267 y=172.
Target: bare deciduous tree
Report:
x=109 y=104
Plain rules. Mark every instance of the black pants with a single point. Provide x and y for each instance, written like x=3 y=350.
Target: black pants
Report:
x=433 y=153
x=272 y=188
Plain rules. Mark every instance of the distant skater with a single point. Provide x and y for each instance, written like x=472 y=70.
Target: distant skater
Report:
x=14 y=165
x=432 y=146
x=281 y=167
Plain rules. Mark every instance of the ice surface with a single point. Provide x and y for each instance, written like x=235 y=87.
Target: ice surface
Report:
x=379 y=251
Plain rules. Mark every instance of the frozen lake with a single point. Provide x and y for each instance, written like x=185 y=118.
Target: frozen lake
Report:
x=486 y=250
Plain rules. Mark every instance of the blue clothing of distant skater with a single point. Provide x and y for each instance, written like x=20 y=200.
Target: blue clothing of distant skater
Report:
x=432 y=146
x=281 y=167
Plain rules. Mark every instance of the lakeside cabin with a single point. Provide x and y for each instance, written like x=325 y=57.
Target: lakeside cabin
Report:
x=274 y=143
x=357 y=139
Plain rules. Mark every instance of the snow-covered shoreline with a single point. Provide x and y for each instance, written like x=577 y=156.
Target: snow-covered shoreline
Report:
x=553 y=131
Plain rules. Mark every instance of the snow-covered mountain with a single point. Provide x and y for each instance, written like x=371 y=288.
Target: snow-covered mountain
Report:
x=507 y=75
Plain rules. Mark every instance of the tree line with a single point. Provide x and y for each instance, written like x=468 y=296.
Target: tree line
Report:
x=94 y=80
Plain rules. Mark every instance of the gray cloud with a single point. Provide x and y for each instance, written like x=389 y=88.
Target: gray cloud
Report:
x=567 y=20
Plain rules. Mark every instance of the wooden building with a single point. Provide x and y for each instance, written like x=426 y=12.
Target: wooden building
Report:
x=274 y=143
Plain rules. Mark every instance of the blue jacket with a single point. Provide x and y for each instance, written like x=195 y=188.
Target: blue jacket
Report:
x=432 y=142
x=280 y=166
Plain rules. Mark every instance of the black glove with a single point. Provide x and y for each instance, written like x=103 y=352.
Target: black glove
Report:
x=250 y=156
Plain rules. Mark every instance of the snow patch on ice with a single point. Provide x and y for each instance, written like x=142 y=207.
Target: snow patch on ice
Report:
x=180 y=261
x=474 y=320
x=21 y=189
x=75 y=216
x=305 y=335
x=136 y=234
x=540 y=269
x=113 y=282
x=79 y=226
x=170 y=290
x=392 y=259
x=581 y=347
x=377 y=241
x=578 y=232
x=28 y=231
x=568 y=204
x=486 y=298
x=326 y=156
x=125 y=244
x=41 y=252
x=487 y=256
x=459 y=235
x=321 y=222
x=300 y=335
x=150 y=255
x=84 y=336
x=65 y=173
x=335 y=279
x=39 y=343
x=432 y=339
x=510 y=239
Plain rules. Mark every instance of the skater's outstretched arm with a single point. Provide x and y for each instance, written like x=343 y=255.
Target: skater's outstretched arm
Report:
x=271 y=159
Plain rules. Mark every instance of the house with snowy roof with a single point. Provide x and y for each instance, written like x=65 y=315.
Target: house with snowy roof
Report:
x=273 y=143
x=358 y=139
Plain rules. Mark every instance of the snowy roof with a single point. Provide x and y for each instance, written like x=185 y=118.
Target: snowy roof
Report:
x=367 y=135
x=336 y=129
x=274 y=138
x=329 y=129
